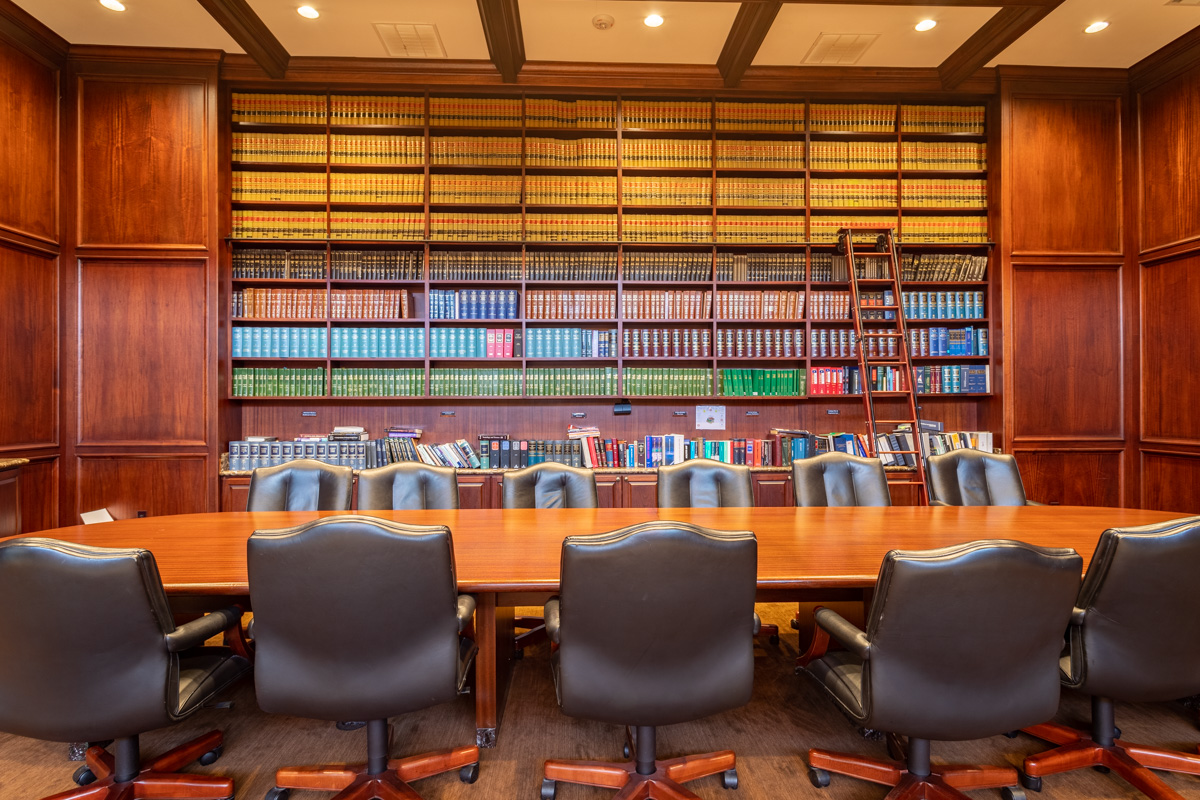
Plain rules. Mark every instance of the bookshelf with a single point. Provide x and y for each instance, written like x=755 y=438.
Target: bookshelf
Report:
x=429 y=245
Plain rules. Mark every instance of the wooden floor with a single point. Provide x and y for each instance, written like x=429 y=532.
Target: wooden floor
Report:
x=787 y=715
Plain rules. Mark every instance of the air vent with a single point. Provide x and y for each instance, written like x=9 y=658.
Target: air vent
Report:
x=410 y=40
x=839 y=48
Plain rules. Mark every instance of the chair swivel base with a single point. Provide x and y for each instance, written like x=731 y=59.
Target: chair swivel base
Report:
x=1133 y=762
x=354 y=782
x=664 y=783
x=944 y=781
x=157 y=778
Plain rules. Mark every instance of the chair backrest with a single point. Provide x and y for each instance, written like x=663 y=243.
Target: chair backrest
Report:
x=1140 y=637
x=840 y=479
x=704 y=483
x=965 y=640
x=549 y=485
x=84 y=632
x=974 y=478
x=303 y=485
x=354 y=618
x=407 y=485
x=656 y=623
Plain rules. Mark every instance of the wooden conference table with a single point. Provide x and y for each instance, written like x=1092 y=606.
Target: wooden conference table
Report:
x=507 y=558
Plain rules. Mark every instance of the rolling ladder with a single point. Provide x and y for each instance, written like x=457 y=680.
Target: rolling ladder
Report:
x=885 y=365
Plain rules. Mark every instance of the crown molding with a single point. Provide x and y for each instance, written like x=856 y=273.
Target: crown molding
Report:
x=1167 y=62
x=31 y=37
x=1064 y=80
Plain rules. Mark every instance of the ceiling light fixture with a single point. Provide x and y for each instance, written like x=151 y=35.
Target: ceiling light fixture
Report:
x=926 y=25
x=653 y=20
x=308 y=12
x=113 y=5
x=1095 y=27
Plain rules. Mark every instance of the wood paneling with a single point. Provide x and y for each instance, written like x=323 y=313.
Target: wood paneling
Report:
x=1071 y=478
x=1170 y=161
x=143 y=333
x=640 y=490
x=1171 y=348
x=475 y=491
x=10 y=501
x=1065 y=161
x=1171 y=482
x=608 y=491
x=28 y=145
x=773 y=489
x=235 y=494
x=39 y=494
x=142 y=157
x=127 y=485
x=28 y=349
x=1066 y=345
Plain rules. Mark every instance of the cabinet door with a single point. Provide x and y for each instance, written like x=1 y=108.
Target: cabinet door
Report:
x=475 y=491
x=235 y=493
x=640 y=491
x=773 y=489
x=608 y=491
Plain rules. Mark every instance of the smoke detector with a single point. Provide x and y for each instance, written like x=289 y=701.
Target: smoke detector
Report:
x=602 y=22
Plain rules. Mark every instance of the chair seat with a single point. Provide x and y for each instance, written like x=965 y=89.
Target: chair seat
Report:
x=840 y=672
x=203 y=671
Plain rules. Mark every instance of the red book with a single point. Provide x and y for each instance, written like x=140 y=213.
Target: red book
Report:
x=508 y=341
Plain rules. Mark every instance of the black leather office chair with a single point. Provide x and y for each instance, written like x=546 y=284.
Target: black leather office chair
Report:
x=303 y=485
x=407 y=485
x=373 y=634
x=704 y=483
x=92 y=654
x=974 y=478
x=1134 y=637
x=549 y=485
x=682 y=649
x=839 y=479
x=968 y=648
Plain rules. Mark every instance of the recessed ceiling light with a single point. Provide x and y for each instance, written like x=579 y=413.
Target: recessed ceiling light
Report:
x=1095 y=27
x=653 y=20
x=113 y=5
x=926 y=25
x=308 y=12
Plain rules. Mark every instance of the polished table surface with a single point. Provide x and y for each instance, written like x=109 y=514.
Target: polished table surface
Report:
x=499 y=553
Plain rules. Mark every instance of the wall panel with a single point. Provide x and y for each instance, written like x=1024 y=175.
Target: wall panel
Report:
x=143 y=337
x=39 y=494
x=126 y=485
x=1171 y=482
x=28 y=145
x=1066 y=344
x=142 y=163
x=29 y=349
x=1071 y=478
x=1171 y=350
x=1065 y=175
x=1170 y=161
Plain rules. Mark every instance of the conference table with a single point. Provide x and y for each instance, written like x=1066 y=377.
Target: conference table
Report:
x=509 y=558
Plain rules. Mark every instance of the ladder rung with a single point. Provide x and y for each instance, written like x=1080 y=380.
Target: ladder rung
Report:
x=894 y=422
x=878 y=363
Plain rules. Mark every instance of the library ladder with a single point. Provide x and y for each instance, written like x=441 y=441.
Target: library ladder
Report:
x=885 y=365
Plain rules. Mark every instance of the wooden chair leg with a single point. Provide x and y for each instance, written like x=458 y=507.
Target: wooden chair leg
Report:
x=352 y=781
x=156 y=779
x=944 y=782
x=665 y=783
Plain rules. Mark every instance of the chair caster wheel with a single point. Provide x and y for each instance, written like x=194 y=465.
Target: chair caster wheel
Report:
x=795 y=623
x=278 y=794
x=1012 y=793
x=1103 y=770
x=1011 y=734
x=549 y=788
x=729 y=779
x=83 y=776
x=469 y=773
x=350 y=726
x=1116 y=732
x=625 y=751
x=774 y=639
x=818 y=777
x=1029 y=782
x=211 y=756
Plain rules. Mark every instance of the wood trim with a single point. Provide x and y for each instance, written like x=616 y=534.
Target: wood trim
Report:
x=19 y=240
x=1163 y=442
x=1046 y=261
x=1051 y=447
x=1066 y=82
x=31 y=37
x=247 y=29
x=1113 y=258
x=1018 y=439
x=1166 y=62
x=502 y=29
x=746 y=35
x=1168 y=252
x=96 y=59
x=1005 y=27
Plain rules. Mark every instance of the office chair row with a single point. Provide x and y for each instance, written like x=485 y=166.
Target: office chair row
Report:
x=970 y=646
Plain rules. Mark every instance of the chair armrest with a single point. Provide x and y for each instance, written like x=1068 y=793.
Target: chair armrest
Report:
x=757 y=623
x=195 y=633
x=553 y=618
x=466 y=611
x=938 y=503
x=1033 y=503
x=1078 y=615
x=847 y=634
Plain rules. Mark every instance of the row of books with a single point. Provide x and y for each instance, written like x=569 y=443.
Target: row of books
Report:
x=943 y=193
x=377 y=382
x=761 y=383
x=937 y=342
x=666 y=153
x=281 y=148
x=279 y=304
x=470 y=151
x=853 y=192
x=759 y=154
x=574 y=190
x=825 y=228
x=948 y=156
x=570 y=304
x=741 y=116
x=667 y=228
x=290 y=187
x=828 y=306
x=666 y=343
x=474 y=382
x=760 y=305
x=475 y=188
x=475 y=227
x=664 y=381
x=570 y=343
x=256 y=224
x=278 y=382
x=760 y=343
x=376 y=265
x=659 y=266
x=376 y=110
x=758 y=267
x=542 y=152
x=263 y=263
x=570 y=381
x=378 y=343
x=474 y=304
x=936 y=443
x=570 y=227
x=474 y=343
x=866 y=266
x=942 y=119
x=572 y=265
x=755 y=229
x=493 y=265
x=858 y=117
x=666 y=304
x=281 y=109
x=664 y=191
x=953 y=379
x=883 y=298
x=943 y=230
x=834 y=343
x=773 y=192
x=386 y=226
x=279 y=342
x=943 y=305
x=545 y=112
x=942 y=267
x=248 y=455
x=693 y=115
x=475 y=112
x=377 y=150
x=506 y=454
x=376 y=187
x=853 y=155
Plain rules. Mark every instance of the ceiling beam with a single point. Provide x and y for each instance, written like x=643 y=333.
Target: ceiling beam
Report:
x=248 y=30
x=746 y=35
x=1005 y=27
x=502 y=29
x=30 y=36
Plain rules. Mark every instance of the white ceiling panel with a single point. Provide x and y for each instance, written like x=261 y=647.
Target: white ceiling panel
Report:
x=346 y=27
x=898 y=45
x=1137 y=28
x=143 y=23
x=562 y=30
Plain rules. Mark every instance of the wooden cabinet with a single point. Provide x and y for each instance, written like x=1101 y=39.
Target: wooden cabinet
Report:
x=640 y=490
x=773 y=489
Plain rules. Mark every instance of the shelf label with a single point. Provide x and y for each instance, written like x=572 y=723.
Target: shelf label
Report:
x=832 y=411
x=579 y=414
x=447 y=413
x=308 y=413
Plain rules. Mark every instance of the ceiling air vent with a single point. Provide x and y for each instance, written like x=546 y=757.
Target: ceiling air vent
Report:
x=839 y=48
x=410 y=40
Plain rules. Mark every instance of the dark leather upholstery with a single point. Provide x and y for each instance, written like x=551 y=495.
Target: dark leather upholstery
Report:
x=839 y=479
x=407 y=485
x=91 y=651
x=355 y=618
x=549 y=485
x=1136 y=633
x=961 y=642
x=654 y=623
x=975 y=478
x=704 y=483
x=303 y=485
